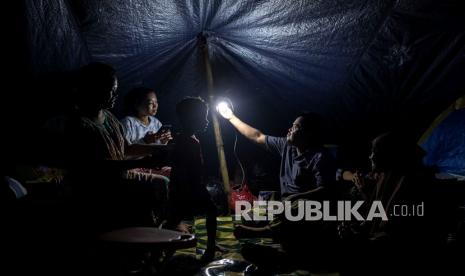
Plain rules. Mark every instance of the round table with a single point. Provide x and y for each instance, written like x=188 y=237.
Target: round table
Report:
x=159 y=244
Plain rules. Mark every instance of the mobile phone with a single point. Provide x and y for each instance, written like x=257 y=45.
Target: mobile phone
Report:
x=165 y=128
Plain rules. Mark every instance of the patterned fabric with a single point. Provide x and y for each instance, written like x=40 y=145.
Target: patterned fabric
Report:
x=135 y=130
x=146 y=175
x=94 y=142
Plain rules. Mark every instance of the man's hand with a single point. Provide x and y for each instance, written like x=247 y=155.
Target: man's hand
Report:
x=312 y=194
x=358 y=180
x=225 y=111
x=293 y=197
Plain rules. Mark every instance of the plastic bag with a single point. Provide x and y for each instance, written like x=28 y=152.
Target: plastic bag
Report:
x=240 y=192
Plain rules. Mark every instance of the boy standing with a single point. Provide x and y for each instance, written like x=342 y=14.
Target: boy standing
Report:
x=187 y=193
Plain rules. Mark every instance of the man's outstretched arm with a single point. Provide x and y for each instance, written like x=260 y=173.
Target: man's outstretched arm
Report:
x=249 y=132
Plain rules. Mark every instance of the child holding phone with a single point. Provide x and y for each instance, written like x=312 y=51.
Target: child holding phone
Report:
x=141 y=126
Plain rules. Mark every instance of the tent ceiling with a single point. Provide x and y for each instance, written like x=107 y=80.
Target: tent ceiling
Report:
x=347 y=59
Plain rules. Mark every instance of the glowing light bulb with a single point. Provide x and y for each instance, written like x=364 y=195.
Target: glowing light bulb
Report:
x=224 y=109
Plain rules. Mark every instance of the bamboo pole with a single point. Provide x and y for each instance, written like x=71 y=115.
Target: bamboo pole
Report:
x=216 y=125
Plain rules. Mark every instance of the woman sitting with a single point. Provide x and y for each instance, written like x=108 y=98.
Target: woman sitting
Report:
x=97 y=153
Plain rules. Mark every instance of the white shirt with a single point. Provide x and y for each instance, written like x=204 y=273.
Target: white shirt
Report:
x=135 y=130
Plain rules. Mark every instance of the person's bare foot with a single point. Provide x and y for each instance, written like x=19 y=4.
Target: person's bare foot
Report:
x=208 y=255
x=183 y=227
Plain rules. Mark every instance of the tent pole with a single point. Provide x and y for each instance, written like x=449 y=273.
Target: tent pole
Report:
x=216 y=126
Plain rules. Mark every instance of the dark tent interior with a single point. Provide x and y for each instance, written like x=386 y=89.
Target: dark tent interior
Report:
x=366 y=67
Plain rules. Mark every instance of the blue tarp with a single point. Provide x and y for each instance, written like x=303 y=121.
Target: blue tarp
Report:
x=366 y=66
x=445 y=146
x=350 y=60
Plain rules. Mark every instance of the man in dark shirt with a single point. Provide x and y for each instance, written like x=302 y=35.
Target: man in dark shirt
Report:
x=307 y=169
x=307 y=172
x=301 y=172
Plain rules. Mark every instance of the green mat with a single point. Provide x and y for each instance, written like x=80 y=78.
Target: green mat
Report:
x=225 y=238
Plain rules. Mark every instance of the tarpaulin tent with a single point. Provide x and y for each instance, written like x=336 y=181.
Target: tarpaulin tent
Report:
x=362 y=64
x=365 y=65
